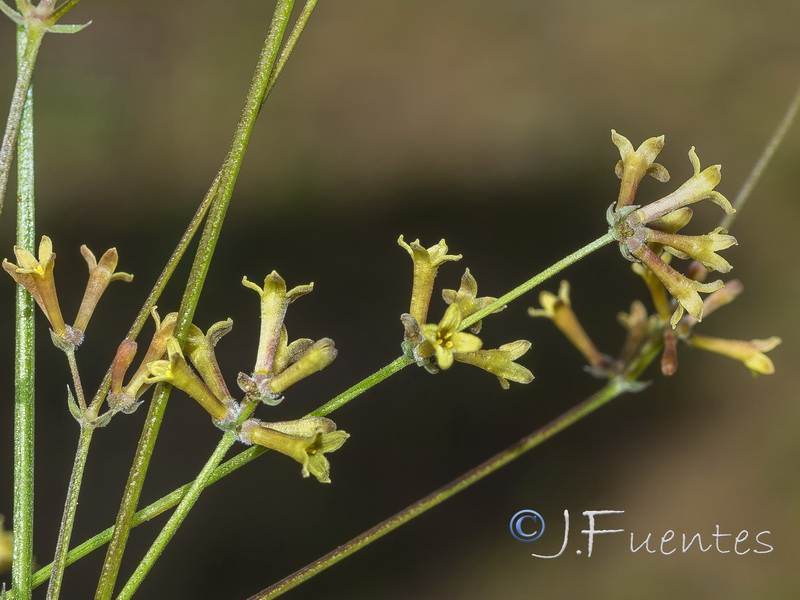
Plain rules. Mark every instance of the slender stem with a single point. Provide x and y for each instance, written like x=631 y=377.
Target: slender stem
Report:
x=763 y=160
x=291 y=42
x=255 y=97
x=176 y=519
x=161 y=282
x=606 y=394
x=614 y=388
x=362 y=386
x=63 y=9
x=537 y=279
x=26 y=59
x=70 y=508
x=186 y=504
x=22 y=104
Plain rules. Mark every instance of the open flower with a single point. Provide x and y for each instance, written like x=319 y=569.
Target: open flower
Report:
x=447 y=340
x=467 y=299
x=306 y=440
x=426 y=264
x=274 y=302
x=36 y=276
x=100 y=275
x=635 y=164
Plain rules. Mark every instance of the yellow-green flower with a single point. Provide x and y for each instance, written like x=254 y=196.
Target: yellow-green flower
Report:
x=700 y=247
x=200 y=350
x=559 y=310
x=447 y=340
x=36 y=276
x=274 y=302
x=683 y=289
x=699 y=186
x=500 y=362
x=750 y=353
x=306 y=440
x=177 y=372
x=635 y=164
x=426 y=264
x=467 y=299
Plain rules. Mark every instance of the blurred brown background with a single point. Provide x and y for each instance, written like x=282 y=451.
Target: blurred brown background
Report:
x=484 y=123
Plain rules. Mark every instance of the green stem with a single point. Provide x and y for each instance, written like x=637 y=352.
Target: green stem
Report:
x=354 y=391
x=233 y=161
x=28 y=44
x=614 y=388
x=537 y=279
x=362 y=386
x=22 y=104
x=70 y=508
x=176 y=518
x=161 y=283
x=763 y=160
x=187 y=502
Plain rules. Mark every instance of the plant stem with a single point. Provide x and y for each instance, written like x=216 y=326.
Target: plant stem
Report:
x=70 y=508
x=176 y=519
x=205 y=251
x=28 y=44
x=362 y=386
x=172 y=499
x=537 y=279
x=161 y=282
x=21 y=119
x=614 y=388
x=763 y=160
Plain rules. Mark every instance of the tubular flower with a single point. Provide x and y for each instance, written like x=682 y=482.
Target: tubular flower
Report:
x=700 y=247
x=177 y=372
x=750 y=353
x=446 y=340
x=200 y=349
x=643 y=232
x=467 y=299
x=683 y=289
x=274 y=302
x=36 y=276
x=635 y=164
x=306 y=440
x=559 y=310
x=100 y=275
x=426 y=264
x=500 y=362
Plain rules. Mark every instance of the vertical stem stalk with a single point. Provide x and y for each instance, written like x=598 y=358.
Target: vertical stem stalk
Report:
x=22 y=558
x=207 y=245
x=70 y=508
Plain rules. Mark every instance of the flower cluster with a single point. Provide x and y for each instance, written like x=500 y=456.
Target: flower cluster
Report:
x=194 y=369
x=436 y=346
x=37 y=276
x=647 y=233
x=648 y=237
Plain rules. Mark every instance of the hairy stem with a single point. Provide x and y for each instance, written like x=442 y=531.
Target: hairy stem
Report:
x=28 y=45
x=22 y=105
x=70 y=508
